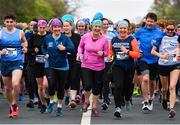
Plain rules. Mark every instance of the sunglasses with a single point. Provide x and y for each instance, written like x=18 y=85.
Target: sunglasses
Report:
x=170 y=29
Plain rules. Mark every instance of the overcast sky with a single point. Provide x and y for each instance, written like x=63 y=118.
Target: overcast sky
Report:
x=115 y=9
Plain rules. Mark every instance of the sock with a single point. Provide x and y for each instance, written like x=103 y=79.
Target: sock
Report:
x=51 y=101
x=59 y=105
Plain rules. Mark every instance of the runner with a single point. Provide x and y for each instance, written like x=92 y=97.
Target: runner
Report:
x=92 y=49
x=107 y=78
x=55 y=48
x=35 y=44
x=147 y=64
x=12 y=44
x=124 y=48
x=167 y=49
x=73 y=82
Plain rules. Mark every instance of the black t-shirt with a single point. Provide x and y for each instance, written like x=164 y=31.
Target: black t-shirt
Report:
x=35 y=41
x=75 y=38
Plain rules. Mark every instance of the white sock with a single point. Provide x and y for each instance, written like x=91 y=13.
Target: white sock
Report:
x=59 y=105
x=51 y=101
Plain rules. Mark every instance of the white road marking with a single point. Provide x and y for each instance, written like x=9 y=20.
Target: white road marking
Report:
x=86 y=116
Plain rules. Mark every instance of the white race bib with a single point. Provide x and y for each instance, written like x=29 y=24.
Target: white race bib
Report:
x=40 y=59
x=121 y=56
x=11 y=52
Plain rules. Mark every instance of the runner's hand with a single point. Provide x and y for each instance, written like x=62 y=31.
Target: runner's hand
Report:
x=100 y=53
x=61 y=47
x=3 y=51
x=36 y=50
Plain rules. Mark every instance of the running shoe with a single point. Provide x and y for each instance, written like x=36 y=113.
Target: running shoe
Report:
x=72 y=104
x=172 y=113
x=104 y=106
x=145 y=106
x=150 y=105
x=30 y=104
x=15 y=110
x=117 y=112
x=59 y=112
x=51 y=107
x=43 y=108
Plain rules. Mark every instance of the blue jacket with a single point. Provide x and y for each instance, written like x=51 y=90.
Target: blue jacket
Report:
x=145 y=37
x=57 y=58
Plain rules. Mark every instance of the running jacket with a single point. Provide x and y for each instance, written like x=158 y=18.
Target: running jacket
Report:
x=145 y=37
x=57 y=58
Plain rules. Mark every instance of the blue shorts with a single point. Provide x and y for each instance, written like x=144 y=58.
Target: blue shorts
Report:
x=7 y=67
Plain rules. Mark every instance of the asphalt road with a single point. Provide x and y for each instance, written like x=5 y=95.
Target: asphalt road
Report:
x=135 y=116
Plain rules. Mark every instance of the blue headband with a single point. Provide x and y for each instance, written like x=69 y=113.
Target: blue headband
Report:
x=96 y=22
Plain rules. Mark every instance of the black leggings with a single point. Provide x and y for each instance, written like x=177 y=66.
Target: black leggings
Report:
x=123 y=82
x=32 y=84
x=92 y=80
x=56 y=81
x=107 y=79
x=73 y=80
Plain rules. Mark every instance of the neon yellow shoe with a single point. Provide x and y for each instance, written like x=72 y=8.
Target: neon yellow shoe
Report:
x=135 y=91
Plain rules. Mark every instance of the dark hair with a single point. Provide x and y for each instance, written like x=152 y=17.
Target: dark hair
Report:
x=10 y=16
x=152 y=16
x=127 y=22
x=35 y=20
x=171 y=22
x=104 y=19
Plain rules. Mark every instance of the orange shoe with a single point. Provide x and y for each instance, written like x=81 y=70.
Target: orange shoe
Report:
x=15 y=110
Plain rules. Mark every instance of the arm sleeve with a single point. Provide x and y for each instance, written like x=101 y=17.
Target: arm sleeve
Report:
x=110 y=51
x=81 y=46
x=69 y=46
x=137 y=34
x=105 y=49
x=30 y=45
x=44 y=47
x=135 y=52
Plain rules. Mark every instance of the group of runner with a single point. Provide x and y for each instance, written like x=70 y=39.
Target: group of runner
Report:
x=68 y=61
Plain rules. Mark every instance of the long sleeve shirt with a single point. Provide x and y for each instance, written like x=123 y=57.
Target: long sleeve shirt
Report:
x=88 y=50
x=57 y=58
x=122 y=59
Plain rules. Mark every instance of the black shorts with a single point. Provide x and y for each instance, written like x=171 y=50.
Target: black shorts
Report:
x=39 y=70
x=152 y=68
x=165 y=70
x=137 y=69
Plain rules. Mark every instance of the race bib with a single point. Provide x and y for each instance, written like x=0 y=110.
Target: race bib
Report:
x=11 y=52
x=121 y=56
x=40 y=59
x=169 y=61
